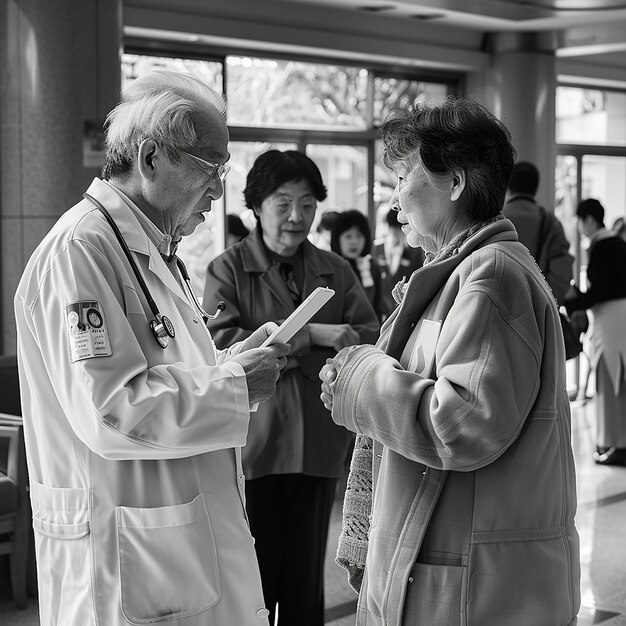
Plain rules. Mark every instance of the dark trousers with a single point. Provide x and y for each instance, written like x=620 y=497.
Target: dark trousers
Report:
x=289 y=517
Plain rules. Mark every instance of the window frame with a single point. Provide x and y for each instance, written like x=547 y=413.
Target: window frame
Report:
x=302 y=137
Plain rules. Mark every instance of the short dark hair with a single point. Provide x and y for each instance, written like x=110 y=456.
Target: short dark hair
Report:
x=524 y=178
x=274 y=168
x=455 y=135
x=592 y=207
x=327 y=220
x=345 y=221
x=235 y=226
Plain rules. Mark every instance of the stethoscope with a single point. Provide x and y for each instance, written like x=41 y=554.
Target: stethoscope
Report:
x=161 y=326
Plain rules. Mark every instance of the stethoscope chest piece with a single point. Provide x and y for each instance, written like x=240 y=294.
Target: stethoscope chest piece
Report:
x=162 y=329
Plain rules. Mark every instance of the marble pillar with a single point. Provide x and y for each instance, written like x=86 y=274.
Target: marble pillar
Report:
x=59 y=75
x=520 y=88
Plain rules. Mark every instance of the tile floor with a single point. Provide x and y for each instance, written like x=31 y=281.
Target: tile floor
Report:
x=601 y=523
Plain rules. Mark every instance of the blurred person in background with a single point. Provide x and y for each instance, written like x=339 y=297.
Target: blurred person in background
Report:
x=294 y=454
x=235 y=229
x=324 y=226
x=539 y=230
x=351 y=238
x=461 y=413
x=605 y=299
x=396 y=260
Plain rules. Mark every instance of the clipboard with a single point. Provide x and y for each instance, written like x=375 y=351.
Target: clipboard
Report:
x=313 y=303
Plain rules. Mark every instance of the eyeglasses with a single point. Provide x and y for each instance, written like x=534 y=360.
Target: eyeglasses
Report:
x=212 y=170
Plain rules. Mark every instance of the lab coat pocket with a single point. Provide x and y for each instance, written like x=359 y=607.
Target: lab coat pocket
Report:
x=436 y=594
x=168 y=562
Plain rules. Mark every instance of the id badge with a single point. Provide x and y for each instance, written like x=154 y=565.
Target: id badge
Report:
x=86 y=329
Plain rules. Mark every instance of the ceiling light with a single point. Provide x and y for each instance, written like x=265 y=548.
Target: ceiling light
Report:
x=377 y=8
x=427 y=16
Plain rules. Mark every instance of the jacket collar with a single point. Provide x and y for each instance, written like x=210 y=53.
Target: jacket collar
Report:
x=256 y=259
x=599 y=235
x=521 y=196
x=318 y=266
x=428 y=280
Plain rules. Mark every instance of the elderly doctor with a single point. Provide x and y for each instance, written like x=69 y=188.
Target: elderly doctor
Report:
x=133 y=420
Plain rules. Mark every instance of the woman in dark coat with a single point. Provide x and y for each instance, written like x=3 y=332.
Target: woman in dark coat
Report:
x=294 y=454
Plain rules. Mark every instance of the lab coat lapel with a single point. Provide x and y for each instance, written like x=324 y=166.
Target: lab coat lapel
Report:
x=146 y=254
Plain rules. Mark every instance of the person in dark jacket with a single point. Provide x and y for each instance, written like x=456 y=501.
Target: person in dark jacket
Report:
x=294 y=454
x=605 y=299
x=397 y=261
x=539 y=230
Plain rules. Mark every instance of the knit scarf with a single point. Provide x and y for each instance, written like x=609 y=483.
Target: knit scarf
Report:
x=357 y=503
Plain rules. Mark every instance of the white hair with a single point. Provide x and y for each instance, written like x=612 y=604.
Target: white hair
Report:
x=160 y=105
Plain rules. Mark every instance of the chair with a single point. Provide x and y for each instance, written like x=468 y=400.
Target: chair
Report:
x=16 y=531
x=15 y=510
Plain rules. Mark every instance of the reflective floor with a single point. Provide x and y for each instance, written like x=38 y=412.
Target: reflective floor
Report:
x=601 y=521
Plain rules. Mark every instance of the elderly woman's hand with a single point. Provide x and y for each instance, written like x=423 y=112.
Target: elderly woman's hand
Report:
x=327 y=375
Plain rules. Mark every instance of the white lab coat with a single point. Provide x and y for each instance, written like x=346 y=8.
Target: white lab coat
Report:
x=135 y=471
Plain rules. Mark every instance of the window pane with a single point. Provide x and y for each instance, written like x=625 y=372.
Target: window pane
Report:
x=135 y=65
x=590 y=116
x=270 y=93
x=384 y=184
x=387 y=91
x=344 y=172
x=604 y=178
x=565 y=199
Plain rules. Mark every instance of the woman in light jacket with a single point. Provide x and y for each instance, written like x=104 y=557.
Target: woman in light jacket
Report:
x=606 y=301
x=294 y=453
x=461 y=497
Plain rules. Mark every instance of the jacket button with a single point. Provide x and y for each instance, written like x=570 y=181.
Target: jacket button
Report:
x=262 y=613
x=410 y=579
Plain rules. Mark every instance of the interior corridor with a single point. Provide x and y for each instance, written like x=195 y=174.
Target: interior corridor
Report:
x=601 y=521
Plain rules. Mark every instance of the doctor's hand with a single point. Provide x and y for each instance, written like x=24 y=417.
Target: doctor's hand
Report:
x=258 y=336
x=335 y=336
x=262 y=367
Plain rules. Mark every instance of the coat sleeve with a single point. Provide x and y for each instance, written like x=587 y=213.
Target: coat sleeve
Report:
x=487 y=378
x=559 y=261
x=123 y=406
x=223 y=282
x=606 y=273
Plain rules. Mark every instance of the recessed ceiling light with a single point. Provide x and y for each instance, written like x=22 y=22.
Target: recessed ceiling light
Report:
x=427 y=16
x=377 y=8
